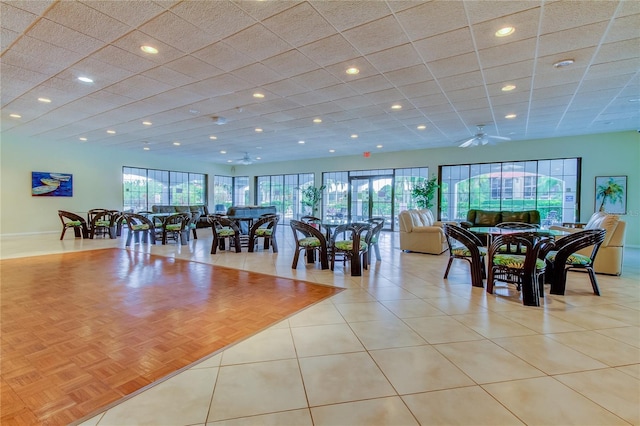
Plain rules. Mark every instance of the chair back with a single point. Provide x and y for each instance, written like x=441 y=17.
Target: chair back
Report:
x=181 y=219
x=306 y=230
x=577 y=241
x=133 y=220
x=464 y=237
x=310 y=219
x=268 y=220
x=62 y=214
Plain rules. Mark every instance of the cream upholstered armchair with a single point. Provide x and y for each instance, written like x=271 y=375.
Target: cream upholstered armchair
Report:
x=609 y=259
x=420 y=232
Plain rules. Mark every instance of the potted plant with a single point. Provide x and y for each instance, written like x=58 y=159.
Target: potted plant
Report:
x=311 y=197
x=610 y=190
x=424 y=193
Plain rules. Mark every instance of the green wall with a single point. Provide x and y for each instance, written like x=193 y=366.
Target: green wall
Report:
x=98 y=181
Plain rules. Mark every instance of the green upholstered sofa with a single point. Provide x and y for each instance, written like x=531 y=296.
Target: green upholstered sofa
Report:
x=201 y=208
x=492 y=218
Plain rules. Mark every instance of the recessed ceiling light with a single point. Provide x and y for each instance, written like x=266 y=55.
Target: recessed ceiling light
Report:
x=352 y=71
x=229 y=161
x=45 y=100
x=146 y=148
x=111 y=132
x=223 y=152
x=213 y=138
x=15 y=116
x=176 y=143
x=301 y=142
x=505 y=31
x=354 y=136
x=85 y=79
x=149 y=49
x=147 y=123
x=563 y=63
x=317 y=120
x=510 y=116
x=194 y=112
x=258 y=158
x=378 y=146
x=258 y=95
x=421 y=127
x=508 y=87
x=83 y=139
x=258 y=130
x=332 y=150
x=396 y=106
x=634 y=100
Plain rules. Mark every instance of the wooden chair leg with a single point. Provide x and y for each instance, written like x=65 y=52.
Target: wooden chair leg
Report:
x=446 y=272
x=594 y=282
x=294 y=265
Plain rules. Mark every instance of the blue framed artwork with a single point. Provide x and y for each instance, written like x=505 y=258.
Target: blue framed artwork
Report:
x=51 y=184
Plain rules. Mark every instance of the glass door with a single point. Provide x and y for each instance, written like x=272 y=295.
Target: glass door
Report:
x=371 y=197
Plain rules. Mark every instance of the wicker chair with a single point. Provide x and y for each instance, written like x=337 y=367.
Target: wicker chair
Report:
x=469 y=248
x=310 y=240
x=175 y=227
x=223 y=228
x=141 y=229
x=103 y=222
x=73 y=221
x=377 y=223
x=522 y=264
x=264 y=228
x=564 y=258
x=351 y=243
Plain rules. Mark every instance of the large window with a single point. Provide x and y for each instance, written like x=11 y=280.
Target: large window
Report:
x=550 y=186
x=229 y=191
x=283 y=191
x=143 y=188
x=359 y=195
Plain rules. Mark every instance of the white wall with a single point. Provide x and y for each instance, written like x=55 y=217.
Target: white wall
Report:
x=97 y=175
x=608 y=154
x=97 y=180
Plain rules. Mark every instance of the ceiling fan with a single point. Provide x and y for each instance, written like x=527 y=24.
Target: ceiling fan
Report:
x=480 y=138
x=246 y=160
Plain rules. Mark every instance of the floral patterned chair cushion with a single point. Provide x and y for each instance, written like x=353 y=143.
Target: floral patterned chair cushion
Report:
x=514 y=261
x=309 y=242
x=574 y=259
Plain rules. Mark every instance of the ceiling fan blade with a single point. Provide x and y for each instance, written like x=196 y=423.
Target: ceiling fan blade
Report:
x=467 y=143
x=502 y=138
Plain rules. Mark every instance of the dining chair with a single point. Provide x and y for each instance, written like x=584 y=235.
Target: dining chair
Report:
x=374 y=236
x=223 y=228
x=563 y=258
x=349 y=241
x=73 y=221
x=265 y=228
x=193 y=223
x=103 y=222
x=521 y=264
x=141 y=229
x=309 y=239
x=465 y=245
x=174 y=227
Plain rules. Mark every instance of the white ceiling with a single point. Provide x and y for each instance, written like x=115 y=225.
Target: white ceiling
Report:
x=438 y=59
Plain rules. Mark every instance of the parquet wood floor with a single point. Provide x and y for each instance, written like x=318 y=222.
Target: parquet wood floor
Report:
x=82 y=330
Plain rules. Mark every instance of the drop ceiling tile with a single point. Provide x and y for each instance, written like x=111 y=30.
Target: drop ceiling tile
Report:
x=223 y=56
x=63 y=37
x=348 y=14
x=176 y=32
x=417 y=90
x=557 y=100
x=339 y=70
x=513 y=97
x=462 y=81
x=285 y=88
x=370 y=84
x=608 y=82
x=375 y=36
x=561 y=15
x=308 y=98
x=395 y=58
x=385 y=98
x=168 y=76
x=119 y=58
x=620 y=50
x=218 y=19
x=130 y=12
x=329 y=50
x=316 y=79
x=15 y=19
x=471 y=104
x=289 y=64
x=624 y=28
x=101 y=72
x=299 y=25
x=455 y=65
x=410 y=75
x=55 y=57
x=509 y=72
x=571 y=39
x=138 y=87
x=477 y=92
x=11 y=73
x=31 y=63
x=87 y=20
x=257 y=74
x=219 y=85
x=445 y=45
x=257 y=42
x=7 y=37
x=559 y=77
x=338 y=91
x=263 y=10
x=194 y=67
x=507 y=53
x=432 y=18
x=352 y=102
x=525 y=24
x=491 y=10
x=628 y=8
x=133 y=41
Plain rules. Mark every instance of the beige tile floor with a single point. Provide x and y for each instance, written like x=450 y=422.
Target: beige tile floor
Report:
x=401 y=346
